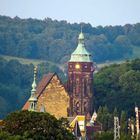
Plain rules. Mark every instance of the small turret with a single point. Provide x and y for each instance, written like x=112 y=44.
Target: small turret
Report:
x=33 y=99
x=94 y=117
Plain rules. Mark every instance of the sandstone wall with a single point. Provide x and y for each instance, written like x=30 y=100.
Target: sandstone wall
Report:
x=55 y=99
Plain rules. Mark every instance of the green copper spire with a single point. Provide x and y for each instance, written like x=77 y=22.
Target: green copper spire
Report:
x=33 y=99
x=81 y=54
x=34 y=81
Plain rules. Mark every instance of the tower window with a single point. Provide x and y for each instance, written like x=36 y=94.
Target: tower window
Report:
x=85 y=66
x=77 y=66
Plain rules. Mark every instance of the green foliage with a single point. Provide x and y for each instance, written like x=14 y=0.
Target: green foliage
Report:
x=125 y=137
x=55 y=40
x=115 y=113
x=6 y=136
x=103 y=136
x=117 y=84
x=123 y=123
x=105 y=118
x=36 y=126
x=108 y=135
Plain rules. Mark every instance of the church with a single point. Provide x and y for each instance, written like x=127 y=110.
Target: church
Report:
x=76 y=98
x=73 y=101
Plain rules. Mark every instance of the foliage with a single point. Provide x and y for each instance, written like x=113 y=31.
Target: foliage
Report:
x=54 y=40
x=123 y=123
x=105 y=118
x=117 y=84
x=103 y=136
x=125 y=137
x=36 y=125
x=6 y=136
x=108 y=135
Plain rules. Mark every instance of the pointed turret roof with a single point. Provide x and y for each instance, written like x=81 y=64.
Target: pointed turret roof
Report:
x=33 y=98
x=94 y=117
x=81 y=54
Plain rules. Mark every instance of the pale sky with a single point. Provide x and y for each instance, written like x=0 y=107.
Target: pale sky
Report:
x=95 y=12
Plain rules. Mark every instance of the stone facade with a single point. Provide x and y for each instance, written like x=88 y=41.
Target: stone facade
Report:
x=80 y=87
x=51 y=97
x=54 y=98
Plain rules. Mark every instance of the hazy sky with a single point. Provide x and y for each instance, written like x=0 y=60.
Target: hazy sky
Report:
x=96 y=12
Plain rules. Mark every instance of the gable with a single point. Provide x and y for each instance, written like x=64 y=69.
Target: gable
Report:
x=52 y=95
x=54 y=98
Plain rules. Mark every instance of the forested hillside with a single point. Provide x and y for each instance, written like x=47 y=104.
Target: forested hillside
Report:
x=118 y=86
x=54 y=40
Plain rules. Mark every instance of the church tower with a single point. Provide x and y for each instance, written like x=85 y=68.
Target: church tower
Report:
x=80 y=80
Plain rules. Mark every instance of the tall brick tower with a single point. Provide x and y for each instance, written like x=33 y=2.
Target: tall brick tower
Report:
x=80 y=80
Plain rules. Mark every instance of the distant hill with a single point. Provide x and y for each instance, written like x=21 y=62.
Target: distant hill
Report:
x=54 y=40
x=48 y=44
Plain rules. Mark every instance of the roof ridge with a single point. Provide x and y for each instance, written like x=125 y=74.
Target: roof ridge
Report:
x=44 y=82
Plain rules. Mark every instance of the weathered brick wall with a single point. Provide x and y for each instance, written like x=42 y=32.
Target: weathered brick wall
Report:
x=55 y=99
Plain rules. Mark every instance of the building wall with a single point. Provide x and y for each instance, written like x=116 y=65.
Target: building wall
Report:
x=54 y=98
x=80 y=87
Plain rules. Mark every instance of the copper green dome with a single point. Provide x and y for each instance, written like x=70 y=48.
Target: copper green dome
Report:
x=81 y=54
x=81 y=36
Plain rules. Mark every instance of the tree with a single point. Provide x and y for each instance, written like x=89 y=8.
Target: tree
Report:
x=39 y=39
x=7 y=136
x=117 y=84
x=105 y=118
x=123 y=123
x=103 y=136
x=36 y=125
x=115 y=113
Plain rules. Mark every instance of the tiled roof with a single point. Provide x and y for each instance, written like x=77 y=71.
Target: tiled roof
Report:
x=43 y=83
x=40 y=88
x=26 y=106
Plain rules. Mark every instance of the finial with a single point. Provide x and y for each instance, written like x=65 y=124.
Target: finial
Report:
x=81 y=28
x=81 y=36
x=35 y=71
x=34 y=81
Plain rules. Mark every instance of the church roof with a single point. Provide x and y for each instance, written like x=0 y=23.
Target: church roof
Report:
x=40 y=88
x=81 y=54
x=43 y=83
